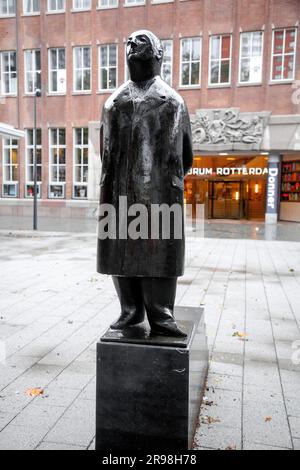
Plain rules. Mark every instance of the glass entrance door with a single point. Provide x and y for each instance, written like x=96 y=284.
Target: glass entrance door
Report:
x=226 y=199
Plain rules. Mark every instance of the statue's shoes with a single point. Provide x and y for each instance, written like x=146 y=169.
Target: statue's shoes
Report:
x=128 y=319
x=167 y=328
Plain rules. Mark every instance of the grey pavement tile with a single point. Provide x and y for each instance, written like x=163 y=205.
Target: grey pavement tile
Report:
x=43 y=416
x=293 y=406
x=256 y=446
x=295 y=426
x=54 y=446
x=225 y=382
x=227 y=398
x=290 y=383
x=229 y=416
x=259 y=394
x=81 y=411
x=5 y=419
x=66 y=431
x=296 y=443
x=57 y=396
x=218 y=437
x=21 y=437
x=219 y=367
x=266 y=423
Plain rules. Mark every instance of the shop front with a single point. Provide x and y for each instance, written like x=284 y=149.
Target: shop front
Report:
x=232 y=187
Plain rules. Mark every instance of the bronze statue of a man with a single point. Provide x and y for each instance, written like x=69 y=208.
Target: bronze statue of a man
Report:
x=146 y=150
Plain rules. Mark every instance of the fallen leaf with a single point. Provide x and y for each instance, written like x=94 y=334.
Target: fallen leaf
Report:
x=210 y=420
x=241 y=336
x=34 y=392
x=268 y=419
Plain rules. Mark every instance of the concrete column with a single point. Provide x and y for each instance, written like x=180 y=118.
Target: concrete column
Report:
x=273 y=192
x=94 y=161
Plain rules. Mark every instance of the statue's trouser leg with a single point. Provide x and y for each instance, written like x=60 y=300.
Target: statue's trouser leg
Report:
x=159 y=299
x=132 y=307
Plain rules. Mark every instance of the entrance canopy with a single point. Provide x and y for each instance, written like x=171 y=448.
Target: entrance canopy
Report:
x=9 y=132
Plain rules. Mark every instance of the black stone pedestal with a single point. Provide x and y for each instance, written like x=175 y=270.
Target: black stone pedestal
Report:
x=149 y=388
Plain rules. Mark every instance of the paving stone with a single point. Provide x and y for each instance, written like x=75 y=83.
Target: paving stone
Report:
x=21 y=437
x=256 y=446
x=266 y=423
x=43 y=416
x=218 y=437
x=54 y=446
x=295 y=426
x=296 y=443
x=66 y=431
x=225 y=382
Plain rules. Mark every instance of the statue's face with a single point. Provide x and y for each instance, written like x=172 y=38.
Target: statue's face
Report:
x=139 y=47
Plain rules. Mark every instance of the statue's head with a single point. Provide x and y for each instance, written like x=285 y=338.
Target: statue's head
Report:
x=144 y=55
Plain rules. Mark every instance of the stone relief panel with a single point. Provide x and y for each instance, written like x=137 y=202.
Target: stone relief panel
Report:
x=228 y=129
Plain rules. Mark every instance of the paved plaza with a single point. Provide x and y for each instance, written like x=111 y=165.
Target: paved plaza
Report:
x=54 y=307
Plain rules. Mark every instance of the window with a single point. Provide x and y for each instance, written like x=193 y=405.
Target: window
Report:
x=31 y=6
x=7 y=7
x=82 y=69
x=57 y=147
x=166 y=70
x=108 y=66
x=251 y=47
x=30 y=141
x=126 y=69
x=10 y=168
x=82 y=4
x=56 y=6
x=190 y=62
x=220 y=60
x=283 y=54
x=9 y=82
x=32 y=70
x=81 y=167
x=108 y=3
x=134 y=2
x=57 y=71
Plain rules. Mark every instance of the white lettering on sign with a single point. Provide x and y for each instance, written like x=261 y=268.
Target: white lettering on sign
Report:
x=272 y=180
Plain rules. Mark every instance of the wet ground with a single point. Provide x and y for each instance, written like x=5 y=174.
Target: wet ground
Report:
x=251 y=230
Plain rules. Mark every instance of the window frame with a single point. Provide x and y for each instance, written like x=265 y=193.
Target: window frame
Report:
x=11 y=182
x=54 y=12
x=82 y=91
x=3 y=73
x=220 y=60
x=76 y=9
x=50 y=71
x=172 y=59
x=134 y=3
x=200 y=63
x=240 y=83
x=108 y=90
x=81 y=165
x=28 y=147
x=107 y=7
x=57 y=146
x=283 y=54
x=9 y=15
x=31 y=12
x=35 y=71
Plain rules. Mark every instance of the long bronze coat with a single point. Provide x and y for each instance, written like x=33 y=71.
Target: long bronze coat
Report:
x=147 y=150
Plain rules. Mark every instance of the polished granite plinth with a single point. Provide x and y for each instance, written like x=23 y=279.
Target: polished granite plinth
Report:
x=149 y=387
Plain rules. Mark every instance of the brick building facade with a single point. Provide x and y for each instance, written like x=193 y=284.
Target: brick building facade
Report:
x=236 y=63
